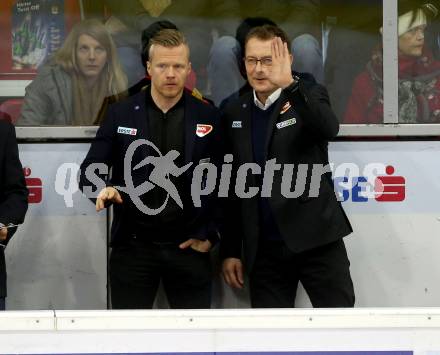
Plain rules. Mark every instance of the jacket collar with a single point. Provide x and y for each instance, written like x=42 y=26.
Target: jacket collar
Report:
x=192 y=115
x=63 y=82
x=191 y=118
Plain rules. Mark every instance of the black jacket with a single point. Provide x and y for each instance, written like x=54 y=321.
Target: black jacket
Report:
x=304 y=222
x=110 y=147
x=13 y=191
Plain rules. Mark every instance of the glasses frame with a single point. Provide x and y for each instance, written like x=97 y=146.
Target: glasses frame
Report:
x=264 y=61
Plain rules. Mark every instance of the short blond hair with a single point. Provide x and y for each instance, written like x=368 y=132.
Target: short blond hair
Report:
x=168 y=38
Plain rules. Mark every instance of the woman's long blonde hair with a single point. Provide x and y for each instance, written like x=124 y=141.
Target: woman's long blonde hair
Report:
x=66 y=55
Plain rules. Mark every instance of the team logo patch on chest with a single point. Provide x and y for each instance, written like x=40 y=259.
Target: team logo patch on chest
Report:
x=126 y=130
x=285 y=108
x=203 y=129
x=286 y=123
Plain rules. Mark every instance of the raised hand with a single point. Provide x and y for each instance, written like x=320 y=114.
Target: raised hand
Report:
x=281 y=74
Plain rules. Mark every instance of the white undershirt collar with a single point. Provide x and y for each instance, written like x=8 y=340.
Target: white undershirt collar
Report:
x=270 y=100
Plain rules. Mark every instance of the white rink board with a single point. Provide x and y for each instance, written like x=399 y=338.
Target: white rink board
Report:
x=247 y=332
x=56 y=262
x=58 y=258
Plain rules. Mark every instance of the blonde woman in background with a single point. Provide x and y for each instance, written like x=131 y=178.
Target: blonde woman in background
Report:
x=70 y=88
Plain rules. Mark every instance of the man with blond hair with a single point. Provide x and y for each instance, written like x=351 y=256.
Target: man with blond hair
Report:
x=171 y=244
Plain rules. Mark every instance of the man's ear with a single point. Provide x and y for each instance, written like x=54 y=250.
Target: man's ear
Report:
x=291 y=59
x=189 y=67
x=149 y=68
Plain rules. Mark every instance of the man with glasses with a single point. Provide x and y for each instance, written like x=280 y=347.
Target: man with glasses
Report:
x=285 y=235
x=13 y=196
x=301 y=19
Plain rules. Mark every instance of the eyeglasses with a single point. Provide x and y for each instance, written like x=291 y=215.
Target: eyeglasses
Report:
x=252 y=61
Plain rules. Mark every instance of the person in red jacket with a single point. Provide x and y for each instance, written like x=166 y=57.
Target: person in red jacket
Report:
x=419 y=77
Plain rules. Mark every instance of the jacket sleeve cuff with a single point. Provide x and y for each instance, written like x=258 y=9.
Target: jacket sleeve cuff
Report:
x=228 y=251
x=292 y=88
x=208 y=232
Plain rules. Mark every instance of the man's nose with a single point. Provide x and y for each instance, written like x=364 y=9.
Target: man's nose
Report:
x=259 y=68
x=170 y=71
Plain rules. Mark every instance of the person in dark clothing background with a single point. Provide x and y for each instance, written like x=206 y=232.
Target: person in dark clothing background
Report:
x=301 y=21
x=196 y=18
x=13 y=196
x=353 y=35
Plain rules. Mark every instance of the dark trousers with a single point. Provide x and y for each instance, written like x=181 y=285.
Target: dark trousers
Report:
x=137 y=269
x=2 y=303
x=323 y=271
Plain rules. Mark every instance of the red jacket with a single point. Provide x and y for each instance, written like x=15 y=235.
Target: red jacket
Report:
x=419 y=91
